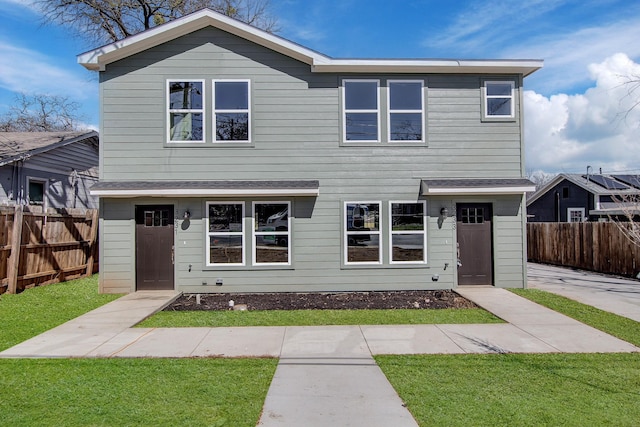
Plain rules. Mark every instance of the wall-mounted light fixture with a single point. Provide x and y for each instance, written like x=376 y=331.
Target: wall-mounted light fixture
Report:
x=444 y=212
x=187 y=214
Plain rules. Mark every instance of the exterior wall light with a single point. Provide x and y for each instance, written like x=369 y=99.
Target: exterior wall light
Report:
x=444 y=212
x=187 y=214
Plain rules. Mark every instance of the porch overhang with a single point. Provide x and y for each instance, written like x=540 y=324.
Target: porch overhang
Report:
x=129 y=189
x=468 y=187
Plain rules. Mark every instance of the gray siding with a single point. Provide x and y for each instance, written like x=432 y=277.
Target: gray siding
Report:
x=296 y=134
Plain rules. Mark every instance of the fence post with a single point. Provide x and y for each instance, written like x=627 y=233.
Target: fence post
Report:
x=14 y=258
x=92 y=241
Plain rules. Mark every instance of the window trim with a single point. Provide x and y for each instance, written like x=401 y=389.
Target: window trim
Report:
x=255 y=233
x=485 y=98
x=346 y=233
x=423 y=232
x=421 y=111
x=45 y=191
x=179 y=110
x=345 y=111
x=582 y=214
x=215 y=111
x=209 y=234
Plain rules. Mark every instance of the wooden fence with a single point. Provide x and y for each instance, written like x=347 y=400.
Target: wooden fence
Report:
x=595 y=246
x=37 y=248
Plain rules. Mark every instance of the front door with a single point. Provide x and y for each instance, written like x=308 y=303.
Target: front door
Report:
x=154 y=247
x=475 y=251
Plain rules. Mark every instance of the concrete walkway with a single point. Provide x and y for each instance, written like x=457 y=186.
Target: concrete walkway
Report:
x=609 y=293
x=326 y=374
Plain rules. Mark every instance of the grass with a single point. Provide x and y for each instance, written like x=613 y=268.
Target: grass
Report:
x=134 y=392
x=518 y=389
x=36 y=310
x=317 y=317
x=622 y=327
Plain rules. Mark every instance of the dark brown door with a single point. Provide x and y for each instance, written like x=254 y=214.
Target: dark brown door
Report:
x=474 y=244
x=154 y=247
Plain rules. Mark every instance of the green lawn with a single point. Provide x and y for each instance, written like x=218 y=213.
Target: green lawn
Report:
x=36 y=310
x=622 y=327
x=518 y=390
x=133 y=392
x=166 y=319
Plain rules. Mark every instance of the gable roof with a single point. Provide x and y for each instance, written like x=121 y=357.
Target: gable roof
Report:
x=588 y=185
x=97 y=59
x=15 y=146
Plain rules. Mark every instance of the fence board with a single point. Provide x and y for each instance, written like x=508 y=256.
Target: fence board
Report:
x=594 y=246
x=45 y=247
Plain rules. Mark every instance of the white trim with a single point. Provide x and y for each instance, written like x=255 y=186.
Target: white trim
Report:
x=346 y=233
x=216 y=110
x=209 y=234
x=255 y=233
x=302 y=192
x=345 y=111
x=480 y=190
x=582 y=215
x=421 y=111
x=99 y=58
x=485 y=99
x=422 y=232
x=201 y=111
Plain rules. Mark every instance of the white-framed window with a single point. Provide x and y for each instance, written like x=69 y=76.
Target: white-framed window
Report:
x=575 y=215
x=499 y=100
x=405 y=102
x=185 y=111
x=37 y=191
x=361 y=110
x=362 y=242
x=271 y=233
x=225 y=233
x=232 y=110
x=408 y=232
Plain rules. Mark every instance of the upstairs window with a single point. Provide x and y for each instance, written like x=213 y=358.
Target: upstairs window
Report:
x=361 y=110
x=185 y=111
x=499 y=100
x=406 y=110
x=231 y=110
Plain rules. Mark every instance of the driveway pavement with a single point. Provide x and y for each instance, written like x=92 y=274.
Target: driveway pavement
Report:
x=609 y=293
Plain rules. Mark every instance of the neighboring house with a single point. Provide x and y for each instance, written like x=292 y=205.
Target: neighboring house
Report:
x=48 y=169
x=582 y=197
x=233 y=160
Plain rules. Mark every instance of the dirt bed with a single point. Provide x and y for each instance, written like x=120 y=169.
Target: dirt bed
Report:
x=324 y=301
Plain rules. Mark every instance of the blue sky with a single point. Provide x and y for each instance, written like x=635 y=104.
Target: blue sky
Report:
x=574 y=106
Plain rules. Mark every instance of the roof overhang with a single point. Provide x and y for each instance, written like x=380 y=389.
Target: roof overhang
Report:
x=129 y=189
x=463 y=187
x=99 y=58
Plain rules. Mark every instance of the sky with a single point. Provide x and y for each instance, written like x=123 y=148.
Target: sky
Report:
x=577 y=109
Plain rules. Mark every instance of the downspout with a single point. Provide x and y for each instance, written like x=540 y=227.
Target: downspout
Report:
x=557 y=206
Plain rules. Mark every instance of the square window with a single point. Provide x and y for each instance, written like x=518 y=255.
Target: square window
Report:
x=361 y=110
x=499 y=99
x=232 y=111
x=36 y=195
x=185 y=111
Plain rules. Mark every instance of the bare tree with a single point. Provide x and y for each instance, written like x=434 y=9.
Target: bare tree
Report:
x=41 y=113
x=106 y=21
x=539 y=178
x=628 y=221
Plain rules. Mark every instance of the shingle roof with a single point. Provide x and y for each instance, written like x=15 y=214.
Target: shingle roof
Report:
x=21 y=145
x=477 y=186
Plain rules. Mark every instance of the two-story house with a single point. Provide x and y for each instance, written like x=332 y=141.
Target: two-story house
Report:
x=234 y=160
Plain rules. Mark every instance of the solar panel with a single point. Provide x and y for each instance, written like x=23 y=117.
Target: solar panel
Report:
x=632 y=180
x=606 y=182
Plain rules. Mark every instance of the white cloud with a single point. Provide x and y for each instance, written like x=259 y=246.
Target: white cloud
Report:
x=28 y=71
x=565 y=133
